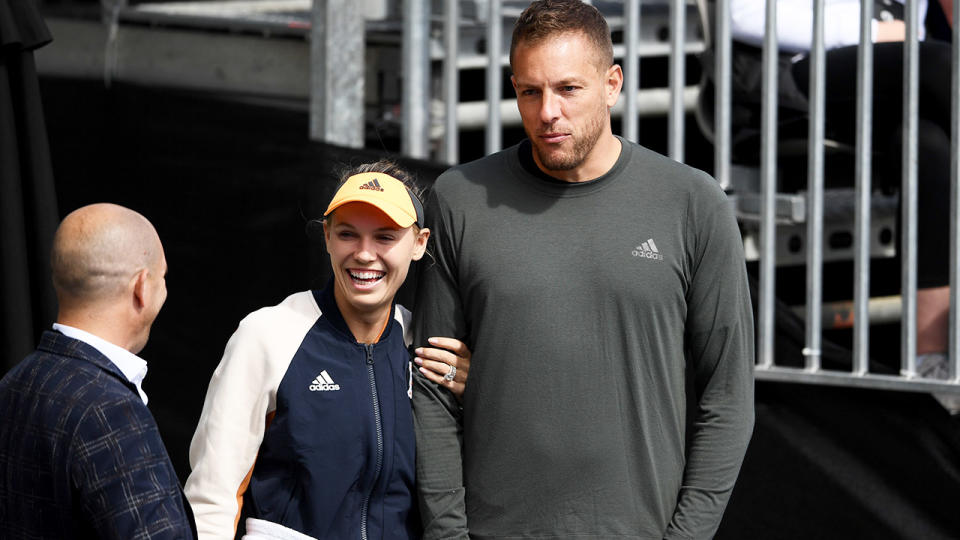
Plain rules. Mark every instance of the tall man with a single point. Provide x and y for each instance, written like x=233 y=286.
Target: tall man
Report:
x=80 y=454
x=603 y=292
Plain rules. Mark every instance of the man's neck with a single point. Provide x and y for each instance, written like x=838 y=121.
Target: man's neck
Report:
x=98 y=324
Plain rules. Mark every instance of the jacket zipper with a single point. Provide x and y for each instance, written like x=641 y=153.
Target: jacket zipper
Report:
x=364 y=511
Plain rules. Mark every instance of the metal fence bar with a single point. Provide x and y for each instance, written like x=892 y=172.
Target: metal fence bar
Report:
x=336 y=73
x=721 y=123
x=845 y=378
x=494 y=77
x=678 y=12
x=451 y=82
x=861 y=260
x=908 y=193
x=416 y=78
x=768 y=180
x=954 y=334
x=631 y=69
x=815 y=190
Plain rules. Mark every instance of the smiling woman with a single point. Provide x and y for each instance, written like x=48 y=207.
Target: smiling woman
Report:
x=307 y=430
x=373 y=230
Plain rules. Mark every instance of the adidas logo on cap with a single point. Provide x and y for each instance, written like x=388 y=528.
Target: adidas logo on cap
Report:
x=648 y=250
x=323 y=383
x=373 y=184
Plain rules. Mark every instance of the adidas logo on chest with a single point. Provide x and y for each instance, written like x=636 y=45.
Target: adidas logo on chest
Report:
x=323 y=383
x=648 y=250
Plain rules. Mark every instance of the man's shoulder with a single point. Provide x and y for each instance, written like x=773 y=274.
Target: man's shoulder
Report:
x=479 y=171
x=669 y=174
x=658 y=163
x=67 y=390
x=64 y=365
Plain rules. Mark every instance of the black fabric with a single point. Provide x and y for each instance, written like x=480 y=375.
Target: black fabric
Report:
x=231 y=189
x=836 y=462
x=22 y=26
x=28 y=209
x=933 y=143
x=829 y=462
x=938 y=27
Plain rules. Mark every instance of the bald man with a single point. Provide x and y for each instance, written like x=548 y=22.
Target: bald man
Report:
x=80 y=453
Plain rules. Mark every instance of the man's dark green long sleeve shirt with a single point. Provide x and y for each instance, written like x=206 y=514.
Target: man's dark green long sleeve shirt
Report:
x=611 y=390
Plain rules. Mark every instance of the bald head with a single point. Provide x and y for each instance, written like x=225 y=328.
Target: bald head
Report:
x=98 y=248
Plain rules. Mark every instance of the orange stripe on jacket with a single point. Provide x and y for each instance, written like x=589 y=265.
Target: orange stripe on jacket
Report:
x=246 y=479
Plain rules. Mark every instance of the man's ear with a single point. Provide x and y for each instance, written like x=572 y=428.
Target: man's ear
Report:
x=420 y=243
x=614 y=84
x=139 y=289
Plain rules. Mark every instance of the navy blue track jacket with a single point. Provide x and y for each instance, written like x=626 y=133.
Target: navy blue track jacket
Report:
x=307 y=428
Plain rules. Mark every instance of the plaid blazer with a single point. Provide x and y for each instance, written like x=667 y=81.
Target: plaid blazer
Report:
x=80 y=454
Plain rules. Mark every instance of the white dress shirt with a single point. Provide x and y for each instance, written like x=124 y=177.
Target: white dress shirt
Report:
x=841 y=23
x=132 y=366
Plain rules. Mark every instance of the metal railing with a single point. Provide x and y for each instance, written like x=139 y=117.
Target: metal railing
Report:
x=718 y=33
x=812 y=371
x=675 y=101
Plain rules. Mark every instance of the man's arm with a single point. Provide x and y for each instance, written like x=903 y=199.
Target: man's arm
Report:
x=124 y=482
x=719 y=335
x=437 y=416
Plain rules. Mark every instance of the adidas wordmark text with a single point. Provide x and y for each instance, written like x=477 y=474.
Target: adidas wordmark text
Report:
x=323 y=383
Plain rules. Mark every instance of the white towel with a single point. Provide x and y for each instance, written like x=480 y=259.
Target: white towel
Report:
x=258 y=529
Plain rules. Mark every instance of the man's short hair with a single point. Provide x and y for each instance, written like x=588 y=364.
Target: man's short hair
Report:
x=547 y=18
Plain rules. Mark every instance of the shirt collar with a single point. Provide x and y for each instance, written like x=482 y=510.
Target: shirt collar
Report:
x=132 y=366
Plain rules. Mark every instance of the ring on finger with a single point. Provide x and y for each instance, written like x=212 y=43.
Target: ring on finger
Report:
x=451 y=374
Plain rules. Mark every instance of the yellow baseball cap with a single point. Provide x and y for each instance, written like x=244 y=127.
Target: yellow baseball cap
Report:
x=383 y=191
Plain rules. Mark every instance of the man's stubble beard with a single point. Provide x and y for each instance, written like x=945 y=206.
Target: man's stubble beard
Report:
x=581 y=147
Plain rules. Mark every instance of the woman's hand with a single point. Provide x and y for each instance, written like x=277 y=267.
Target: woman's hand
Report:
x=447 y=356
